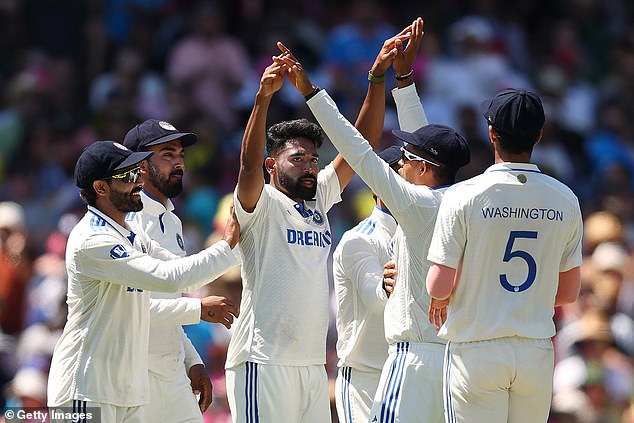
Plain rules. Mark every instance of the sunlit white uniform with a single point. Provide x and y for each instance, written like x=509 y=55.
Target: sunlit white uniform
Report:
x=102 y=354
x=358 y=281
x=510 y=231
x=411 y=381
x=283 y=320
x=171 y=354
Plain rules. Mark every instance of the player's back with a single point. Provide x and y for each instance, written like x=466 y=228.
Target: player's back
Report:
x=522 y=228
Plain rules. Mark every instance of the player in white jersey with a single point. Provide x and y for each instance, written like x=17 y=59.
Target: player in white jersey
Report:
x=358 y=282
x=411 y=382
x=506 y=250
x=175 y=366
x=101 y=358
x=275 y=363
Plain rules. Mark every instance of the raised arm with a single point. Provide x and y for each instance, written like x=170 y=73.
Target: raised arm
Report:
x=401 y=56
x=251 y=176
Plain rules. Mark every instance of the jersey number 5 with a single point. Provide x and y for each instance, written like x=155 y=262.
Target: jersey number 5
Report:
x=530 y=261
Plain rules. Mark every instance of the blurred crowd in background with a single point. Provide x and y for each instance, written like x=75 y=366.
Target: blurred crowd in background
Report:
x=76 y=71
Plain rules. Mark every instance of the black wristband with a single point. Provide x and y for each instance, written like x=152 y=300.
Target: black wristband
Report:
x=403 y=77
x=312 y=94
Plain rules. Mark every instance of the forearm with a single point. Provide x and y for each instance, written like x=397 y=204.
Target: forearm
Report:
x=410 y=111
x=372 y=114
x=174 y=311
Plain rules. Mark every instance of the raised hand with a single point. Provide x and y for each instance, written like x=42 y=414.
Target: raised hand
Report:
x=296 y=72
x=406 y=54
x=389 y=51
x=272 y=79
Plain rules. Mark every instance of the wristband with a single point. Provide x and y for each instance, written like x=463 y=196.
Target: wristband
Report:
x=312 y=94
x=375 y=79
x=407 y=75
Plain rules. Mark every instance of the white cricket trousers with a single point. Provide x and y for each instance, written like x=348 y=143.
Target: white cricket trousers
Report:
x=504 y=380
x=265 y=393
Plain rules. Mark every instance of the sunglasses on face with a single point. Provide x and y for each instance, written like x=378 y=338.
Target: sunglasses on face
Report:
x=129 y=176
x=411 y=156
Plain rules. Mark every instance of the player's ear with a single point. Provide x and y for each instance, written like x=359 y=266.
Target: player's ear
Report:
x=270 y=164
x=101 y=187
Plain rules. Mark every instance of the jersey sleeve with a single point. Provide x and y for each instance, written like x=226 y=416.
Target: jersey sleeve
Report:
x=450 y=233
x=409 y=109
x=174 y=311
x=245 y=218
x=360 y=263
x=397 y=193
x=191 y=355
x=105 y=258
x=572 y=254
x=328 y=186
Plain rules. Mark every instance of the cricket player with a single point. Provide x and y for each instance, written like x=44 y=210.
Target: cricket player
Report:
x=410 y=388
x=175 y=366
x=358 y=282
x=506 y=251
x=275 y=363
x=101 y=358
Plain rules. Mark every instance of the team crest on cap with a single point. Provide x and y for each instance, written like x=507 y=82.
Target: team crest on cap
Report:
x=120 y=146
x=167 y=126
x=434 y=151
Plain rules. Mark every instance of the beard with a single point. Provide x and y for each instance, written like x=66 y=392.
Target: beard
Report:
x=296 y=189
x=168 y=188
x=124 y=202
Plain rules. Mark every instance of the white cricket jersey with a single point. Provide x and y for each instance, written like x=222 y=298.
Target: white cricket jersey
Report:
x=358 y=281
x=414 y=207
x=284 y=247
x=102 y=354
x=511 y=230
x=168 y=344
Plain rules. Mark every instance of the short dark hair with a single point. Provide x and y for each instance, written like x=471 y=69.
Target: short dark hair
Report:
x=279 y=134
x=515 y=144
x=89 y=195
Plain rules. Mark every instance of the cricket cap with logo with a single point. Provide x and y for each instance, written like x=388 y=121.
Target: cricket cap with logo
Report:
x=442 y=144
x=515 y=112
x=391 y=155
x=102 y=159
x=153 y=132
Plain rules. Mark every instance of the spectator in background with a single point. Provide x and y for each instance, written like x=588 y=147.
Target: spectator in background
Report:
x=211 y=65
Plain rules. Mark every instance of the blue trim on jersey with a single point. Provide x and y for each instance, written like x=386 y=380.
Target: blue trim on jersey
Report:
x=450 y=413
x=391 y=396
x=79 y=407
x=383 y=210
x=346 y=402
x=152 y=198
x=366 y=227
x=251 y=393
x=160 y=219
x=130 y=216
x=98 y=223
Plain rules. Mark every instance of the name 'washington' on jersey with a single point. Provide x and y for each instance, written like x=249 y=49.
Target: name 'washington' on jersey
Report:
x=284 y=247
x=509 y=227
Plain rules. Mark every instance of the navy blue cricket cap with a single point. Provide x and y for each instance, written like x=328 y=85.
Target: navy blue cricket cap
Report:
x=441 y=143
x=102 y=159
x=154 y=132
x=391 y=155
x=515 y=112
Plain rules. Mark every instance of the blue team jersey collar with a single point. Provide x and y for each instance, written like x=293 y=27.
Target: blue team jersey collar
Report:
x=384 y=217
x=154 y=207
x=511 y=166
x=123 y=231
